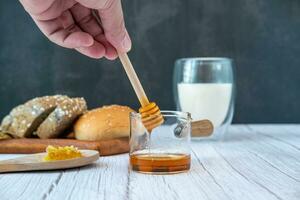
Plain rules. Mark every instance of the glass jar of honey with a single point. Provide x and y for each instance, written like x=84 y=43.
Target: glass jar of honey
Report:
x=166 y=149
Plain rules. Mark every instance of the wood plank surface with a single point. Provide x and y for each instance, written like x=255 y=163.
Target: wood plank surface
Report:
x=253 y=162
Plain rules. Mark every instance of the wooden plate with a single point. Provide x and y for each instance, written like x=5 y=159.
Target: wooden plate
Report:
x=35 y=162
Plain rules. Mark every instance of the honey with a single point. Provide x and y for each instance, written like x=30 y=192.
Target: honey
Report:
x=160 y=163
x=61 y=153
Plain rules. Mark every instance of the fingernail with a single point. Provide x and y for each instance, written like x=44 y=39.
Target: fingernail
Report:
x=126 y=44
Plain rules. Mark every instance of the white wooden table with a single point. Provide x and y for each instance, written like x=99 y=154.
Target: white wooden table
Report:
x=256 y=162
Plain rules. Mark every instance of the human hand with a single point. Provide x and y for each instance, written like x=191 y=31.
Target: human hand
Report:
x=72 y=24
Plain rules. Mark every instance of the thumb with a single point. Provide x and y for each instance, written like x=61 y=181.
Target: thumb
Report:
x=112 y=21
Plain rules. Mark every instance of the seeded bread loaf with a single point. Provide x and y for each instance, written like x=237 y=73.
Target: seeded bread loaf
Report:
x=61 y=118
x=25 y=120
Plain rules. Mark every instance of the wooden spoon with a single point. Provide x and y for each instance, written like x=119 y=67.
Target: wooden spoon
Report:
x=35 y=162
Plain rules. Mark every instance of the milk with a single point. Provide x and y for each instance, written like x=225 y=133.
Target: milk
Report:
x=205 y=100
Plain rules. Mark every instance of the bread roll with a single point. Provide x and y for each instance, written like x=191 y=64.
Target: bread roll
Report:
x=108 y=122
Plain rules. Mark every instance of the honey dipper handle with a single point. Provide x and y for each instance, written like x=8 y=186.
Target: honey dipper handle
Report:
x=134 y=80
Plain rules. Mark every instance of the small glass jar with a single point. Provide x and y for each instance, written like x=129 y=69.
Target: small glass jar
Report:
x=166 y=149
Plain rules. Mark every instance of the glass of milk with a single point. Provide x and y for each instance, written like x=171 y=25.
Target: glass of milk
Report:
x=204 y=87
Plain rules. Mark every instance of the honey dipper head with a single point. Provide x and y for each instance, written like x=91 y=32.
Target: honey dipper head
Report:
x=151 y=116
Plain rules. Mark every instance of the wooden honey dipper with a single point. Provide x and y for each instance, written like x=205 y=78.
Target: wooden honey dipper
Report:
x=151 y=116
x=150 y=112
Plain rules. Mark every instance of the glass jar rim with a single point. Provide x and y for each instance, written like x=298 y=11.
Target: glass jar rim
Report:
x=167 y=113
x=205 y=59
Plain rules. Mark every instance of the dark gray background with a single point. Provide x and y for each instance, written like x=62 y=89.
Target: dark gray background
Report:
x=262 y=36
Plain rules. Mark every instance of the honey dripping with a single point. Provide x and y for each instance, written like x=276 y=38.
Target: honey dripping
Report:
x=160 y=163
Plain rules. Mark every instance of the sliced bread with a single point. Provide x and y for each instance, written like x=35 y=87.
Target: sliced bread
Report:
x=24 y=119
x=46 y=116
x=61 y=118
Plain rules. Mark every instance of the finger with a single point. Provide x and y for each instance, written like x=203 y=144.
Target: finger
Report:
x=56 y=22
x=77 y=38
x=64 y=32
x=69 y=38
x=87 y=22
x=111 y=14
x=111 y=52
x=37 y=6
x=97 y=50
x=114 y=26
x=46 y=9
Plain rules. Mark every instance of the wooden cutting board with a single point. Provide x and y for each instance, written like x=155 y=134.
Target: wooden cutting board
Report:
x=34 y=145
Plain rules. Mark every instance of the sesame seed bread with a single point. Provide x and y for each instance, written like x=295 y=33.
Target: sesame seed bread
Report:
x=25 y=119
x=108 y=122
x=62 y=117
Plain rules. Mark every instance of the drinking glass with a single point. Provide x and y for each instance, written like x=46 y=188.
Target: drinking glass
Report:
x=205 y=87
x=163 y=151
